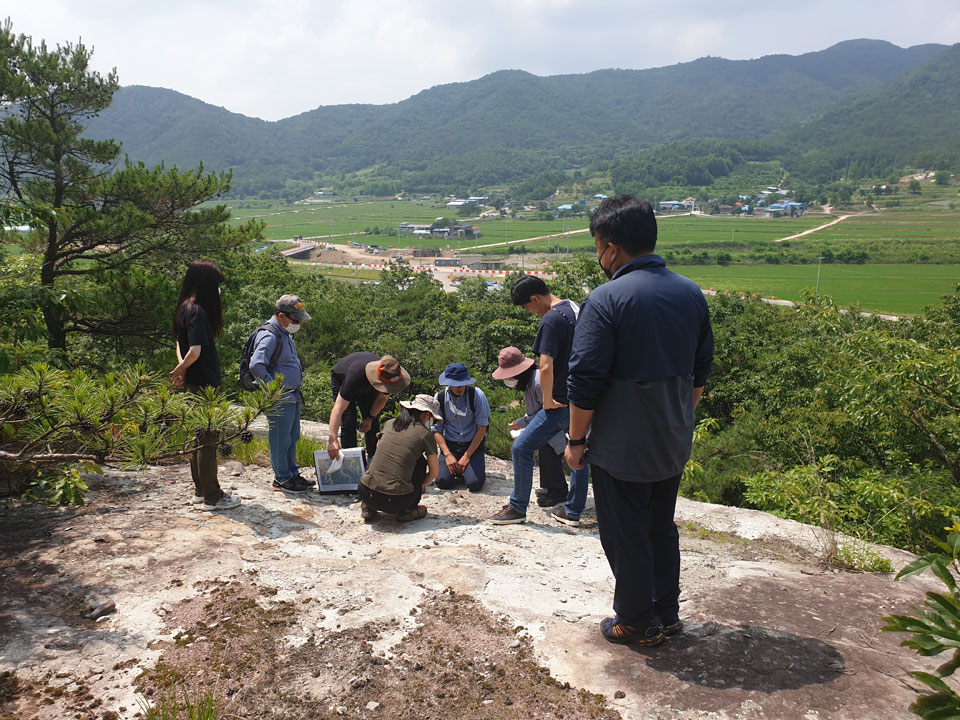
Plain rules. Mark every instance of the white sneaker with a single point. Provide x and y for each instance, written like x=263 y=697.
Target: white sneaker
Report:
x=226 y=502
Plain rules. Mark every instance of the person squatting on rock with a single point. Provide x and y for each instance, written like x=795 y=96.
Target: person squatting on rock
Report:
x=461 y=432
x=361 y=381
x=641 y=355
x=405 y=463
x=284 y=418
x=197 y=320
x=521 y=373
x=558 y=319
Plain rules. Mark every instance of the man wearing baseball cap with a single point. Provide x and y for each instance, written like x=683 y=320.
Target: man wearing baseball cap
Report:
x=284 y=418
x=364 y=381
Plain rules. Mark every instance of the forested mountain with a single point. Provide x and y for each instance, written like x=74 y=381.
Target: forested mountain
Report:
x=509 y=124
x=914 y=120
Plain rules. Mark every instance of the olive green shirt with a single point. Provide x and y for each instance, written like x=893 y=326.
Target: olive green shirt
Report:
x=391 y=470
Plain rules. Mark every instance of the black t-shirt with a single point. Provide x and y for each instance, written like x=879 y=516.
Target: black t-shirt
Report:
x=555 y=338
x=193 y=329
x=351 y=373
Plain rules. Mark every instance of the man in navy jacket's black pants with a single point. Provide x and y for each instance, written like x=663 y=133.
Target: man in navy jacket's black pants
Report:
x=642 y=350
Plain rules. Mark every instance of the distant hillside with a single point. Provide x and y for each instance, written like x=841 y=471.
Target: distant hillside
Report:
x=509 y=124
x=914 y=120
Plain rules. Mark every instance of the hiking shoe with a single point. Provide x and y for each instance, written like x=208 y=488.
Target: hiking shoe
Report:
x=368 y=513
x=420 y=511
x=293 y=486
x=671 y=627
x=617 y=632
x=541 y=491
x=310 y=482
x=551 y=498
x=560 y=515
x=226 y=502
x=507 y=516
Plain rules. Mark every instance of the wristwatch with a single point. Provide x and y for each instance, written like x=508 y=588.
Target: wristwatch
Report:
x=573 y=443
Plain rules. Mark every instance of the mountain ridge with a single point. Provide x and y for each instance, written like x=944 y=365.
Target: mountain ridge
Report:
x=512 y=118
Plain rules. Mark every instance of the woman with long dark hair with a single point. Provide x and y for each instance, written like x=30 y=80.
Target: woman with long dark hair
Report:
x=405 y=463
x=197 y=320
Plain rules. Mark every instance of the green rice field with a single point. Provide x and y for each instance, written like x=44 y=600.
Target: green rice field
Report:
x=920 y=236
x=894 y=289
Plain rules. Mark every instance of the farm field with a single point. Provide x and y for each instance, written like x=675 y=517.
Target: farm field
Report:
x=894 y=289
x=700 y=232
x=345 y=219
x=916 y=236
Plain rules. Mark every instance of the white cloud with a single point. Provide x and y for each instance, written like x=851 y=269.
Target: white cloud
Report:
x=273 y=60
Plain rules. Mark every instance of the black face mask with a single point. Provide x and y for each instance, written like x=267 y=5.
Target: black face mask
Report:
x=608 y=273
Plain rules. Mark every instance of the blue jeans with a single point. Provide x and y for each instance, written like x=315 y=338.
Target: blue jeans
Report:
x=544 y=425
x=284 y=423
x=476 y=473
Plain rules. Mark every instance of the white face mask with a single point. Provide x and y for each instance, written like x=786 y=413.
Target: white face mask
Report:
x=292 y=328
x=511 y=382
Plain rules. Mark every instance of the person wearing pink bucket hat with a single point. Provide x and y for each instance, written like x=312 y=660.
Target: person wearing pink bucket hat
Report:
x=520 y=372
x=517 y=371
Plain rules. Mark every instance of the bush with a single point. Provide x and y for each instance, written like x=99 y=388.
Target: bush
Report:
x=936 y=629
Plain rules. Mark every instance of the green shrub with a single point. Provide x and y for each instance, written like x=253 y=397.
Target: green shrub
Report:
x=936 y=629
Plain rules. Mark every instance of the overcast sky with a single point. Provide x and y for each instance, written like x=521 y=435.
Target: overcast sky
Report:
x=276 y=58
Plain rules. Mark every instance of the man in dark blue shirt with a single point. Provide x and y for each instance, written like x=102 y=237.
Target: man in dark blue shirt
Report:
x=642 y=351
x=553 y=343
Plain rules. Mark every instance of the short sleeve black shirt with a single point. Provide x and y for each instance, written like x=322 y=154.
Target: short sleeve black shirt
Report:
x=555 y=338
x=193 y=329
x=351 y=375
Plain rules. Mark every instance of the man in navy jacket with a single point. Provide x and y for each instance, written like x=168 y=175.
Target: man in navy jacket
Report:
x=642 y=351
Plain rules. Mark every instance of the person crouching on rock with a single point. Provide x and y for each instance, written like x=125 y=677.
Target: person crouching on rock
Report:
x=405 y=463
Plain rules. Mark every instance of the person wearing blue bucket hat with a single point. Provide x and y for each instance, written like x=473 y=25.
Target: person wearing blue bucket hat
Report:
x=461 y=433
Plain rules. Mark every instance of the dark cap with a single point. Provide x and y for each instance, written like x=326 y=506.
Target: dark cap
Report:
x=292 y=307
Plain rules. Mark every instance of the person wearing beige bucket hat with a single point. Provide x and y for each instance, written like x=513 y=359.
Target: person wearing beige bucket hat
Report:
x=405 y=463
x=361 y=381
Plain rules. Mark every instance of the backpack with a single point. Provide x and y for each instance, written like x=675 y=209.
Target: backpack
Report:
x=443 y=400
x=247 y=380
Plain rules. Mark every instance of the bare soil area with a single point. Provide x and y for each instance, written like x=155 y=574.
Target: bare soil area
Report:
x=295 y=608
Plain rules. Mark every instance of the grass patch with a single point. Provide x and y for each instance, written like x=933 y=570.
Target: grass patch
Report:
x=852 y=555
x=897 y=289
x=171 y=705
x=257 y=451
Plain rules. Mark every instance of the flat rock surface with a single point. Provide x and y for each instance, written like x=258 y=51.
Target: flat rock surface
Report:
x=769 y=633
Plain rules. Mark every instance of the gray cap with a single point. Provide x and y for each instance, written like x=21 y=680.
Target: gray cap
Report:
x=292 y=307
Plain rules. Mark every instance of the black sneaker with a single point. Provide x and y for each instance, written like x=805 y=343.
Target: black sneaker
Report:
x=293 y=486
x=310 y=482
x=552 y=497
